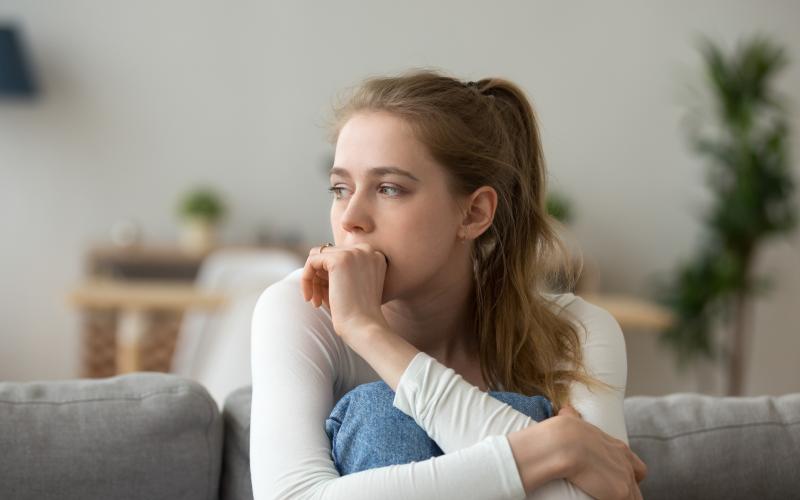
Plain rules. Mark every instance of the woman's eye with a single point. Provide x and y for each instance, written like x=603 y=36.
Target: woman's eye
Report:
x=337 y=191
x=393 y=191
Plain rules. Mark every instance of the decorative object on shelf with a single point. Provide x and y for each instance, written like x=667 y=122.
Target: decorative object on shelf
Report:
x=201 y=210
x=126 y=233
x=16 y=78
x=143 y=262
x=745 y=140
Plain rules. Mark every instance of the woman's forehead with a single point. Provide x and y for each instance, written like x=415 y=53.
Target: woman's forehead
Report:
x=379 y=139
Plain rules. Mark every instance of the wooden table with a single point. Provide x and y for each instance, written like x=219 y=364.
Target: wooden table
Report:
x=134 y=301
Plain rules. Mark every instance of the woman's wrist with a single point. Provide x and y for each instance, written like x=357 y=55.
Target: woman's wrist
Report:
x=539 y=457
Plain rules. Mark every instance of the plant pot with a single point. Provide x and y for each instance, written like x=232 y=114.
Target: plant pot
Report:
x=198 y=235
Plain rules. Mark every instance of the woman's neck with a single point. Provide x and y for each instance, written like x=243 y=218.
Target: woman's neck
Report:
x=439 y=321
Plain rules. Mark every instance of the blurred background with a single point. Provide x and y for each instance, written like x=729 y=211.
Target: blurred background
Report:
x=162 y=162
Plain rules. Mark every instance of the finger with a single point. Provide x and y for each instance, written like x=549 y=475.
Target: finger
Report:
x=316 y=263
x=322 y=290
x=322 y=281
x=325 y=299
x=639 y=467
x=385 y=258
x=368 y=248
x=307 y=278
x=317 y=292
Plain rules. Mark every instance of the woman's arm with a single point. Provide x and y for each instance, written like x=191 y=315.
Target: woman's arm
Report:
x=296 y=364
x=457 y=414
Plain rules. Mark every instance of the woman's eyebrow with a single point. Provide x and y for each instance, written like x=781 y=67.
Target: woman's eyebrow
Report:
x=377 y=172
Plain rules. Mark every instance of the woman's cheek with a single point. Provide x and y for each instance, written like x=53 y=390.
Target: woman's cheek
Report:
x=411 y=264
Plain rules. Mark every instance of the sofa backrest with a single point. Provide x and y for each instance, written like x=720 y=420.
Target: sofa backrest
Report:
x=141 y=435
x=160 y=436
x=698 y=446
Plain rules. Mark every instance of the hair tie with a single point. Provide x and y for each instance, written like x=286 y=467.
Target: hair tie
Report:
x=475 y=85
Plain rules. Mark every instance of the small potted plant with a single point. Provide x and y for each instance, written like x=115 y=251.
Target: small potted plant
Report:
x=201 y=209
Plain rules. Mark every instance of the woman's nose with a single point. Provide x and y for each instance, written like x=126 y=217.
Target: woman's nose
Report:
x=356 y=216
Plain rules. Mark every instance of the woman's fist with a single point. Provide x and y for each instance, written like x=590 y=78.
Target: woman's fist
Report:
x=349 y=282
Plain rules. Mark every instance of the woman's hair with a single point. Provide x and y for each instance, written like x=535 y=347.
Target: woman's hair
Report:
x=485 y=133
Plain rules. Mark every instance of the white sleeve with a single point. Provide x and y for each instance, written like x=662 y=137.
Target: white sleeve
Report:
x=457 y=414
x=295 y=365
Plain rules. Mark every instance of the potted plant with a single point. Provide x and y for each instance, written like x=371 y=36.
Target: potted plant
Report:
x=744 y=137
x=559 y=206
x=201 y=209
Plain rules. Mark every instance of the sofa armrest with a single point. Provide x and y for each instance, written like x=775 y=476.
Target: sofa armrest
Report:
x=140 y=435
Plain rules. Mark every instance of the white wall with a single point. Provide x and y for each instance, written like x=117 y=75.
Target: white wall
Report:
x=143 y=99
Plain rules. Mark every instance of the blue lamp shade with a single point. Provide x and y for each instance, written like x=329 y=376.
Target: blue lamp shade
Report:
x=15 y=77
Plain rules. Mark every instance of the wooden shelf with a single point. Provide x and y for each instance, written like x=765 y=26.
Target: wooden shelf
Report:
x=162 y=295
x=159 y=262
x=632 y=313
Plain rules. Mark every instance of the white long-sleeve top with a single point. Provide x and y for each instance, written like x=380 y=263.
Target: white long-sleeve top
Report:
x=301 y=368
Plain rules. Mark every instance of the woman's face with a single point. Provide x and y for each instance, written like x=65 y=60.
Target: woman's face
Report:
x=389 y=193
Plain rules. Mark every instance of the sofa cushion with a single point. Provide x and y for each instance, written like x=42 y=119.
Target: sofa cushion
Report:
x=141 y=435
x=698 y=446
x=695 y=446
x=235 y=483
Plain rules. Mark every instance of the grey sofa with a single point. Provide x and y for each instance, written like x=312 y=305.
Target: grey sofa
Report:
x=153 y=435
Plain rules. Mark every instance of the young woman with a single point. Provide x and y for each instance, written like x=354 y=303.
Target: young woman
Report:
x=437 y=284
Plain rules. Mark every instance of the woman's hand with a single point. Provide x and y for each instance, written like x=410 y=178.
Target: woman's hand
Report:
x=566 y=447
x=349 y=282
x=600 y=465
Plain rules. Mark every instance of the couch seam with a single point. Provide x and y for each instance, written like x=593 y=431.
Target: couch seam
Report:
x=109 y=398
x=212 y=413
x=712 y=429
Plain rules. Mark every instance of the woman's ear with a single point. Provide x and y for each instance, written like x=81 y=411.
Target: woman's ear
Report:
x=478 y=212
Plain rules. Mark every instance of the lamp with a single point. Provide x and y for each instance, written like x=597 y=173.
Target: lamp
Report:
x=15 y=77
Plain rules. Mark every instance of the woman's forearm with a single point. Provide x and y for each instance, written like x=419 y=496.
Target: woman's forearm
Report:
x=539 y=458
x=388 y=353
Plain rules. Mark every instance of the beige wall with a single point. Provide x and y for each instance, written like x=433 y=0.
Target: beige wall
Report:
x=142 y=99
